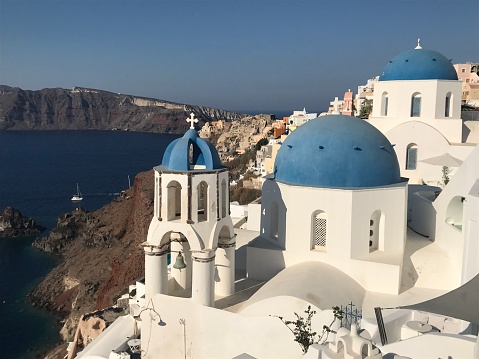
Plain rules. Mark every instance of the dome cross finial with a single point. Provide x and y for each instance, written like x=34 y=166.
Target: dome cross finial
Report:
x=418 y=47
x=192 y=120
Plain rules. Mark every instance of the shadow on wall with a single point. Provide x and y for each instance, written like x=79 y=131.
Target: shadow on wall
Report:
x=409 y=274
x=421 y=216
x=273 y=214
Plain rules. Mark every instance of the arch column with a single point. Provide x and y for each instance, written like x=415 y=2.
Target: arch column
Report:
x=203 y=289
x=225 y=267
x=156 y=271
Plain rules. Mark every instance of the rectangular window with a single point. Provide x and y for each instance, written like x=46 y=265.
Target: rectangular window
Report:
x=411 y=160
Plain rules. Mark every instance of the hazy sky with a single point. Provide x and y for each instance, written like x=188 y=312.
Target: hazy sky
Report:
x=256 y=55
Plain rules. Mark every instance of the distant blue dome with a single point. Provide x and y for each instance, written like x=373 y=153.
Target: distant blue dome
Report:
x=339 y=152
x=419 y=64
x=177 y=154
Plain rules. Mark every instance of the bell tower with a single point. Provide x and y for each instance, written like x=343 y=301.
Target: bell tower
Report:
x=191 y=222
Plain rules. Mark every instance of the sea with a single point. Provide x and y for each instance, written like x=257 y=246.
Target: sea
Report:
x=39 y=173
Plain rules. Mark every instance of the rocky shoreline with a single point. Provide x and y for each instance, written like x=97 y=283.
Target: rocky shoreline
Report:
x=14 y=224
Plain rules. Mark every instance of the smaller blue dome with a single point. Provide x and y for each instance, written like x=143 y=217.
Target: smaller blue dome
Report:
x=419 y=64
x=177 y=154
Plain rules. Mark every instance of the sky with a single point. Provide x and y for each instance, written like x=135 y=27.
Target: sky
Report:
x=241 y=55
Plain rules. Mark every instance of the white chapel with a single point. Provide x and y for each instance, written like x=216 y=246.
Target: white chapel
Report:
x=335 y=196
x=417 y=105
x=191 y=219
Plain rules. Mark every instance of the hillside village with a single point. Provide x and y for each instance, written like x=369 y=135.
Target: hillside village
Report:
x=377 y=213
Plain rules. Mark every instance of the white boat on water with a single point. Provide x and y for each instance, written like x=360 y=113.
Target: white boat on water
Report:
x=78 y=196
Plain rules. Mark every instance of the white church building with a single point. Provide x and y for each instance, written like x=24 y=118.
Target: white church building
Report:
x=417 y=105
x=339 y=223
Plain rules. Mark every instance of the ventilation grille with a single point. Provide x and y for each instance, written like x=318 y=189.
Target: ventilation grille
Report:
x=320 y=231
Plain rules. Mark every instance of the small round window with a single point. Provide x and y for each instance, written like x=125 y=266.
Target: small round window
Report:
x=371 y=233
x=371 y=222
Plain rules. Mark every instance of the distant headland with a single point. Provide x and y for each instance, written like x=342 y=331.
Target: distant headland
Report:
x=84 y=108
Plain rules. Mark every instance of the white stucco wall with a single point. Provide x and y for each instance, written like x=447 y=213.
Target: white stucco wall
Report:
x=254 y=217
x=433 y=94
x=470 y=266
x=430 y=143
x=212 y=333
x=449 y=238
x=421 y=212
x=348 y=232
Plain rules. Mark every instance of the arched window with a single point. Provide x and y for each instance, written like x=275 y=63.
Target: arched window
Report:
x=202 y=201
x=223 y=199
x=174 y=200
x=273 y=230
x=191 y=163
x=447 y=105
x=411 y=156
x=454 y=212
x=416 y=105
x=320 y=230
x=384 y=104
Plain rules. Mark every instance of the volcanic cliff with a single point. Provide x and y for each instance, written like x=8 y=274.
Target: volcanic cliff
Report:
x=100 y=255
x=83 y=108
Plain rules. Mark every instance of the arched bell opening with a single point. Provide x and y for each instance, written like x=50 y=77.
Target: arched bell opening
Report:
x=181 y=266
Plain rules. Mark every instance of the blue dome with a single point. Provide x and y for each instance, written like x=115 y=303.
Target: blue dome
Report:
x=177 y=154
x=339 y=152
x=419 y=64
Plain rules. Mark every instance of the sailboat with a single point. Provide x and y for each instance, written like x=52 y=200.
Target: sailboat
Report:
x=78 y=196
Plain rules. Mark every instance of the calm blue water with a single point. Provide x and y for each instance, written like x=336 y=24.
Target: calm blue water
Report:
x=38 y=175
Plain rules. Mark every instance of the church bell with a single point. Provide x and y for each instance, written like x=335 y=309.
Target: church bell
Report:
x=180 y=262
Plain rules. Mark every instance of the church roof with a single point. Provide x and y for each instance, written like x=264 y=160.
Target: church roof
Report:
x=204 y=154
x=419 y=64
x=337 y=151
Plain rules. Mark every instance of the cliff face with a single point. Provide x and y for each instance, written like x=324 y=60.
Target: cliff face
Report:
x=81 y=108
x=100 y=255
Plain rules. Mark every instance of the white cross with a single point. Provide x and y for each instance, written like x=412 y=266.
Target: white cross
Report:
x=418 y=47
x=335 y=105
x=192 y=120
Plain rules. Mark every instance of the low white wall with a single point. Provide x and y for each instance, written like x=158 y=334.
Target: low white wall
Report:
x=254 y=217
x=212 y=333
x=237 y=210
